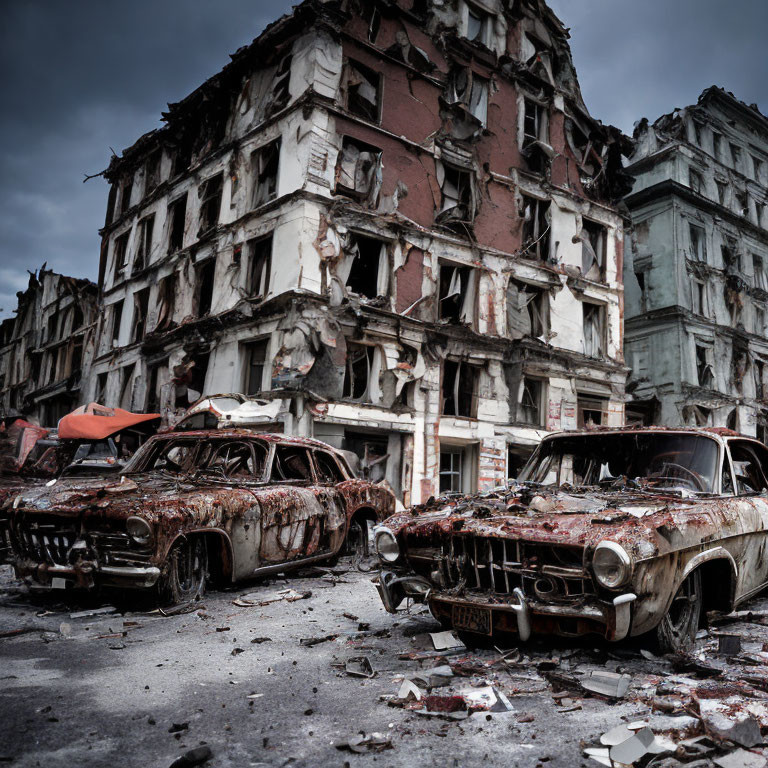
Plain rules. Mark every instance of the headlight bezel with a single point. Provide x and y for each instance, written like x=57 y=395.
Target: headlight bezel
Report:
x=380 y=534
x=142 y=533
x=622 y=563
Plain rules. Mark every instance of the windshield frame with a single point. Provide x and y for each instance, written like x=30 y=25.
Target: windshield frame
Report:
x=722 y=454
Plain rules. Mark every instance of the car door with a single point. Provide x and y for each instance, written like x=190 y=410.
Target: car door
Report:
x=330 y=478
x=293 y=519
x=748 y=542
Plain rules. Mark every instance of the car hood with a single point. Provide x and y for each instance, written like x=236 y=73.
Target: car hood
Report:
x=646 y=525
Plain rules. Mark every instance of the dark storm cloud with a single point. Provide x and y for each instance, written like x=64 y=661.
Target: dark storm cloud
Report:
x=81 y=76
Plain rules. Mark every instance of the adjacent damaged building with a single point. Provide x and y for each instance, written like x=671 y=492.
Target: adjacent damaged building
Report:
x=696 y=282
x=394 y=223
x=45 y=350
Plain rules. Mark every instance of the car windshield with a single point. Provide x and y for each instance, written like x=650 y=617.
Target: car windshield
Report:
x=651 y=460
x=223 y=457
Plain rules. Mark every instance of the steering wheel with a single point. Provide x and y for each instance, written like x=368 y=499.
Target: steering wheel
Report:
x=689 y=476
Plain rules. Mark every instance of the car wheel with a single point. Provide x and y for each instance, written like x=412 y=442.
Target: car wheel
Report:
x=677 y=630
x=357 y=545
x=186 y=571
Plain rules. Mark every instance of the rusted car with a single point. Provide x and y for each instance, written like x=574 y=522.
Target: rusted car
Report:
x=228 y=504
x=617 y=532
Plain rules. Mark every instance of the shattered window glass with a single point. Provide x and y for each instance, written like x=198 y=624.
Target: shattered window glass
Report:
x=362 y=89
x=327 y=469
x=458 y=288
x=750 y=463
x=527 y=310
x=650 y=460
x=265 y=162
x=210 y=203
x=457 y=205
x=359 y=171
x=536 y=227
x=291 y=463
x=357 y=375
x=593 y=237
x=478 y=25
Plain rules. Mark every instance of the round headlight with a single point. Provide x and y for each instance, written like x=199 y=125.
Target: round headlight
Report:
x=611 y=564
x=139 y=530
x=386 y=545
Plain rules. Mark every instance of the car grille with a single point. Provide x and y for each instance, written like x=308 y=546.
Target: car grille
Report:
x=500 y=565
x=43 y=543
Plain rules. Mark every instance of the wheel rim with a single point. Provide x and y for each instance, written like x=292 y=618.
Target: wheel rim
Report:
x=189 y=566
x=684 y=611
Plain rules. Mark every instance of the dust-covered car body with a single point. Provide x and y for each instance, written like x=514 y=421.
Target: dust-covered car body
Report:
x=231 y=502
x=617 y=532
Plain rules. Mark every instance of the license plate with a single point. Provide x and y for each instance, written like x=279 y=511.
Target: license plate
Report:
x=58 y=583
x=472 y=619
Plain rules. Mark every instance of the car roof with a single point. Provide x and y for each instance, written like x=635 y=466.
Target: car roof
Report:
x=240 y=432
x=720 y=434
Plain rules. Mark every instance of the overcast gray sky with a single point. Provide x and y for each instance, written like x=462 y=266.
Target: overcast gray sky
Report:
x=83 y=76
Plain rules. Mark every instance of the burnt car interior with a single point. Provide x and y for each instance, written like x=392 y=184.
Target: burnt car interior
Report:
x=328 y=471
x=662 y=461
x=750 y=462
x=291 y=463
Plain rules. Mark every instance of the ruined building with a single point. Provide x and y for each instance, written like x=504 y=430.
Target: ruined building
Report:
x=395 y=224
x=696 y=284
x=45 y=350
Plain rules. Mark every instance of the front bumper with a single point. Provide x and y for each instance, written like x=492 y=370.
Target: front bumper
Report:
x=87 y=575
x=514 y=613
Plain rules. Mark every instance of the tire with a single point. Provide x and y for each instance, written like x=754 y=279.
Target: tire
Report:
x=186 y=571
x=676 y=631
x=357 y=545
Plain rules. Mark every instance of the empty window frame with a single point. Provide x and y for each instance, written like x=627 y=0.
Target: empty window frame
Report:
x=359 y=171
x=758 y=272
x=125 y=194
x=759 y=369
x=457 y=205
x=144 y=245
x=152 y=172
x=594 y=329
x=281 y=93
x=362 y=86
x=760 y=214
x=259 y=267
x=209 y=193
x=760 y=319
x=365 y=266
x=591 y=411
x=100 y=395
x=527 y=310
x=705 y=373
x=535 y=123
x=205 y=278
x=696 y=181
x=158 y=378
x=166 y=302
x=697 y=132
x=736 y=156
x=699 y=304
x=478 y=25
x=536 y=228
x=117 y=318
x=177 y=215
x=731 y=257
x=742 y=203
x=698 y=243
x=594 y=241
x=457 y=293
x=467 y=88
x=757 y=168
x=255 y=356
x=127 y=378
x=717 y=145
x=120 y=248
x=722 y=191
x=460 y=389
x=361 y=373
x=140 y=311
x=530 y=409
x=265 y=164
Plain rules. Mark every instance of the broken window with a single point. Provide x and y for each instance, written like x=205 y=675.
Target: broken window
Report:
x=127 y=377
x=365 y=266
x=457 y=206
x=536 y=134
x=373 y=18
x=177 y=214
x=471 y=90
x=460 y=389
x=592 y=411
x=166 y=300
x=697 y=132
x=759 y=320
x=117 y=317
x=722 y=191
x=125 y=196
x=736 y=155
x=144 y=247
x=360 y=373
x=456 y=300
x=140 y=310
x=206 y=273
x=760 y=214
x=259 y=266
x=121 y=255
x=698 y=250
x=641 y=277
x=696 y=181
x=152 y=172
x=530 y=410
x=759 y=370
x=100 y=394
x=51 y=325
x=699 y=297
x=717 y=144
x=209 y=193
x=359 y=171
x=593 y=237
x=705 y=373
x=158 y=377
x=281 y=93
x=111 y=201
x=758 y=270
x=291 y=463
x=362 y=91
x=265 y=163
x=479 y=25
x=731 y=257
x=255 y=360
x=527 y=310
x=594 y=329
x=536 y=227
x=189 y=379
x=757 y=168
x=742 y=203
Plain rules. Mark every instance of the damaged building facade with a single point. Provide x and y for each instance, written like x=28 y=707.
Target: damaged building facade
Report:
x=696 y=281
x=395 y=223
x=45 y=350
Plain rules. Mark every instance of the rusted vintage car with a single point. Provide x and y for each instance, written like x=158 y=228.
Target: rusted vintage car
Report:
x=617 y=532
x=228 y=504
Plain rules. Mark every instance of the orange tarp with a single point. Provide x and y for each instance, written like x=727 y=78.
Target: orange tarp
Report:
x=95 y=422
